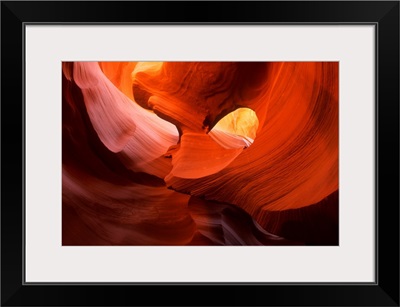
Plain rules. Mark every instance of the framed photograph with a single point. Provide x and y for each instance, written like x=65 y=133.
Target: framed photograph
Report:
x=234 y=153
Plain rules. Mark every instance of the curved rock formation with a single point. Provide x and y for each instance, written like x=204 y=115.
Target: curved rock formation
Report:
x=218 y=153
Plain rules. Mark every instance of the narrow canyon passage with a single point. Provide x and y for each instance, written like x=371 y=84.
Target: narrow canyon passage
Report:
x=200 y=153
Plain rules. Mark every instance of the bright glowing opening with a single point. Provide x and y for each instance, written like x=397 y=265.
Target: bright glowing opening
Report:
x=236 y=129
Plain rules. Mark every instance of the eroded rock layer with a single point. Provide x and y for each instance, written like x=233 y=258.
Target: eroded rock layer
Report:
x=200 y=153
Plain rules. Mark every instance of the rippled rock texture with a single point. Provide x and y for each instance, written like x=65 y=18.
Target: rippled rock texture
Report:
x=200 y=153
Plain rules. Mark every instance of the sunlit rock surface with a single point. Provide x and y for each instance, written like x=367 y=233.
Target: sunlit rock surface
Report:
x=196 y=153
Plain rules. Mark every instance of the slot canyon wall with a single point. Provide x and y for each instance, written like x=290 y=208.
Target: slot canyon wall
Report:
x=200 y=153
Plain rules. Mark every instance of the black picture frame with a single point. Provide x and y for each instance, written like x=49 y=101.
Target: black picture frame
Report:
x=383 y=14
